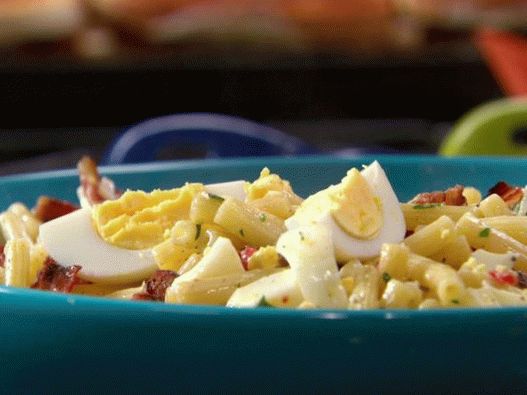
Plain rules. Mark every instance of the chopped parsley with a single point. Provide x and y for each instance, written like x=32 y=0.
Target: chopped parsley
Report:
x=264 y=303
x=386 y=277
x=198 y=231
x=485 y=232
x=216 y=197
x=242 y=233
x=263 y=217
x=301 y=236
x=455 y=301
x=425 y=206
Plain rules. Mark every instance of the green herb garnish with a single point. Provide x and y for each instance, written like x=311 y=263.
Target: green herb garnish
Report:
x=198 y=231
x=455 y=301
x=425 y=206
x=485 y=232
x=264 y=303
x=216 y=197
x=386 y=277
x=301 y=236
x=242 y=233
x=263 y=217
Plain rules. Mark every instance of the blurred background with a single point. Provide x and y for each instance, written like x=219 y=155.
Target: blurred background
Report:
x=377 y=75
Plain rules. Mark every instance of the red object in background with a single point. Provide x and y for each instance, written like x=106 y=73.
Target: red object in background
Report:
x=506 y=55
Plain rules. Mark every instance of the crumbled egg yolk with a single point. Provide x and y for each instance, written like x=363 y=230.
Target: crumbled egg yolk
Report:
x=272 y=194
x=269 y=182
x=139 y=220
x=355 y=208
x=264 y=258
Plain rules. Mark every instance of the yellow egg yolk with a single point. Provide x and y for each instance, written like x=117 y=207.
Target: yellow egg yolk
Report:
x=138 y=220
x=355 y=208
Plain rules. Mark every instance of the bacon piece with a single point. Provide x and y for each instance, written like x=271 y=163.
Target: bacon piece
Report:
x=452 y=197
x=282 y=262
x=522 y=279
x=95 y=188
x=512 y=195
x=507 y=277
x=49 y=208
x=57 y=278
x=156 y=286
x=2 y=256
x=245 y=254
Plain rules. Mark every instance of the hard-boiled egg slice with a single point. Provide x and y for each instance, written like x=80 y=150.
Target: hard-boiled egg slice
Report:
x=233 y=189
x=73 y=240
x=220 y=259
x=223 y=189
x=361 y=213
x=279 y=289
x=309 y=251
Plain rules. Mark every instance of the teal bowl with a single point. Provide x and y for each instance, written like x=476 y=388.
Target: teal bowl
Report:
x=54 y=343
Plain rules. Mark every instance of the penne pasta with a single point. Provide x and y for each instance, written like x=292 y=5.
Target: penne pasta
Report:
x=424 y=214
x=493 y=206
x=29 y=221
x=204 y=207
x=453 y=253
x=393 y=262
x=365 y=293
x=513 y=226
x=399 y=294
x=439 y=278
x=481 y=236
x=433 y=237
x=13 y=227
x=251 y=225
x=213 y=290
x=17 y=263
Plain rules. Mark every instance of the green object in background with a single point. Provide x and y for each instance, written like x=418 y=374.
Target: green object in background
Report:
x=489 y=130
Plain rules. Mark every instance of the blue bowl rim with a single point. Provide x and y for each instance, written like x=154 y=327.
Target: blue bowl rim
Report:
x=268 y=161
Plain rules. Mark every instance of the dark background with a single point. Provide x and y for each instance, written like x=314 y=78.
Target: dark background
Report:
x=402 y=103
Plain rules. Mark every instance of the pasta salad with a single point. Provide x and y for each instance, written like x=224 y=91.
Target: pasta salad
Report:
x=352 y=245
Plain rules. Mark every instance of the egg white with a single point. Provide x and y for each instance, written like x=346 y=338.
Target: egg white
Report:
x=73 y=240
x=233 y=189
x=347 y=247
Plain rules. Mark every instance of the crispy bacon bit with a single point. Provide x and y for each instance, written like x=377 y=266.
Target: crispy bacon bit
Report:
x=452 y=197
x=156 y=286
x=507 y=277
x=522 y=279
x=282 y=262
x=95 y=188
x=245 y=254
x=2 y=256
x=512 y=195
x=57 y=278
x=49 y=208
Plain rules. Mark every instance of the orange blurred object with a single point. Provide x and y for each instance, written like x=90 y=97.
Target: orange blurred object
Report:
x=327 y=24
x=506 y=55
x=39 y=20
